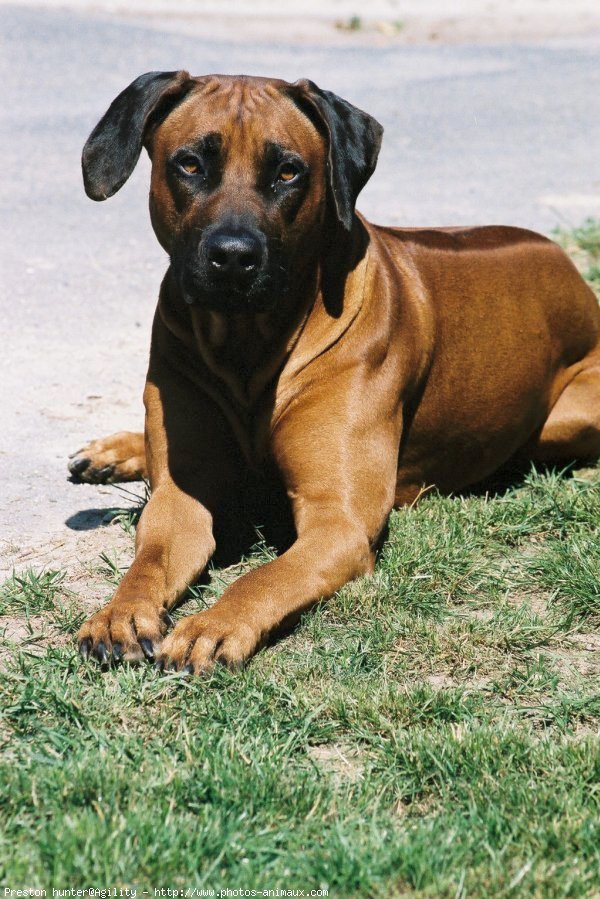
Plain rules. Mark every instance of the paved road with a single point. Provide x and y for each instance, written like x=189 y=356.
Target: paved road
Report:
x=473 y=134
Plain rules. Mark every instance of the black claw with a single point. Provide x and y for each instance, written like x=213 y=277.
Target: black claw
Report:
x=84 y=648
x=117 y=652
x=168 y=620
x=159 y=665
x=102 y=653
x=78 y=466
x=102 y=474
x=147 y=648
x=173 y=666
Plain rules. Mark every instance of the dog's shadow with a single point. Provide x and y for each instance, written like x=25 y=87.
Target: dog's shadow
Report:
x=128 y=507
x=91 y=519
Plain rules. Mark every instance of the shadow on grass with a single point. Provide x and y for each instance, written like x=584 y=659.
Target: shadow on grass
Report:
x=514 y=474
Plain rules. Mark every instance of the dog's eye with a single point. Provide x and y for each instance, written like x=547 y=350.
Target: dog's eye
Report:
x=191 y=165
x=287 y=173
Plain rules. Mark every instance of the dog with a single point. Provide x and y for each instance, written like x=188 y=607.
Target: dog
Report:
x=338 y=366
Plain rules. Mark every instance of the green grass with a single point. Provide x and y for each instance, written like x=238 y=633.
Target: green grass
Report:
x=30 y=592
x=431 y=731
x=583 y=244
x=354 y=23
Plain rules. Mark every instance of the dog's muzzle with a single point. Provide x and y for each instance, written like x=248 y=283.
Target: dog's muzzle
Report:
x=226 y=268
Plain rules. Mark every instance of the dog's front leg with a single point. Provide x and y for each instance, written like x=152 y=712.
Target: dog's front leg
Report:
x=193 y=463
x=341 y=497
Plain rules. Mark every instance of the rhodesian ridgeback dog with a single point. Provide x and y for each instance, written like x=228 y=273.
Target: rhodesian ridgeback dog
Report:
x=337 y=366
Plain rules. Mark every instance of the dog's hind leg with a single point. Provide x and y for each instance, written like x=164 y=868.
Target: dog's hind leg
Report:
x=572 y=430
x=120 y=457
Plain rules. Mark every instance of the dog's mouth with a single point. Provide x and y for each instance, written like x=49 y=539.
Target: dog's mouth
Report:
x=204 y=284
x=260 y=296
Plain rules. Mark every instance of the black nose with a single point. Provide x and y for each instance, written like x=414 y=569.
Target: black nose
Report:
x=234 y=254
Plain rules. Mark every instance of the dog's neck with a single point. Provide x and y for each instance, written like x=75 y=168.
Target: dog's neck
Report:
x=244 y=351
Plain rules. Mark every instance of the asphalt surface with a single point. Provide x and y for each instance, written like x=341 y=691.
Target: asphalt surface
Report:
x=480 y=134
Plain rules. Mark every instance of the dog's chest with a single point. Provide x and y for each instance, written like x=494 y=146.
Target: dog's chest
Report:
x=242 y=358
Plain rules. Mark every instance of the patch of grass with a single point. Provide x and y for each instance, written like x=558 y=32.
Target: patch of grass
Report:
x=570 y=568
x=354 y=23
x=30 y=592
x=583 y=244
x=587 y=237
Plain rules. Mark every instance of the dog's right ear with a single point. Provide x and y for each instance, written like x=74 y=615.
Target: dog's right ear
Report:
x=353 y=137
x=114 y=146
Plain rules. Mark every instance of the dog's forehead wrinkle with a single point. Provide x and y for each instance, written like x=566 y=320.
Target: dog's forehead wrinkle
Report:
x=209 y=86
x=240 y=90
x=242 y=108
x=256 y=82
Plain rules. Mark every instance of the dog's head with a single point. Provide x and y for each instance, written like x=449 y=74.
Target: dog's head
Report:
x=246 y=173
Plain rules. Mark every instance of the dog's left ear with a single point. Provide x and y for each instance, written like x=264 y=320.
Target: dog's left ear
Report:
x=354 y=139
x=114 y=146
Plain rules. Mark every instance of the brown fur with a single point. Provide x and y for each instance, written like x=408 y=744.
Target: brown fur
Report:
x=401 y=358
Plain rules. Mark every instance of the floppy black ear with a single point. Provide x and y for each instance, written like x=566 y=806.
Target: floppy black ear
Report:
x=354 y=141
x=114 y=146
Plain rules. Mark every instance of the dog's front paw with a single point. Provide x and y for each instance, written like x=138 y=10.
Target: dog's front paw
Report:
x=198 y=643
x=120 y=457
x=124 y=630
